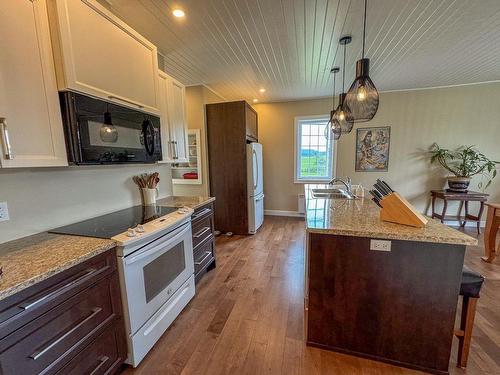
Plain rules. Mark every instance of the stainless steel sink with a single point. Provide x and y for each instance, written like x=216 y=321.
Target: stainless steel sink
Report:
x=331 y=193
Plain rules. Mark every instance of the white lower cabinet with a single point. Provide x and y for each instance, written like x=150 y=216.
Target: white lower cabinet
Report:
x=173 y=120
x=30 y=125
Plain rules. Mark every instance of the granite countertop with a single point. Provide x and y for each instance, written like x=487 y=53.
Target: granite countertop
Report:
x=32 y=259
x=361 y=218
x=181 y=201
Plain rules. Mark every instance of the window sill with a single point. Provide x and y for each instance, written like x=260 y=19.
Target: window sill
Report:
x=312 y=181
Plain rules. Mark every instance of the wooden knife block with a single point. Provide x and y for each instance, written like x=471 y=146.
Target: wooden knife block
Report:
x=396 y=209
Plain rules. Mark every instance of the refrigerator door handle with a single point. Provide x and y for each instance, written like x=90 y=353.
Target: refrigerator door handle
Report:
x=256 y=166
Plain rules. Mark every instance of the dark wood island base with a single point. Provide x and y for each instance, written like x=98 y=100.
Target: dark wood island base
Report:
x=393 y=306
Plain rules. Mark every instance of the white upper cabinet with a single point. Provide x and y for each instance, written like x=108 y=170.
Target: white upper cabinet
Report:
x=98 y=54
x=30 y=125
x=173 y=120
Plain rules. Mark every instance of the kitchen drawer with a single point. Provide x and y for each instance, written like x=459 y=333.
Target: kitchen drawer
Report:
x=99 y=357
x=202 y=230
x=203 y=256
x=48 y=342
x=27 y=305
x=202 y=213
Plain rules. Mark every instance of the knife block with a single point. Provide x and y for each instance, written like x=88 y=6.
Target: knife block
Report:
x=397 y=209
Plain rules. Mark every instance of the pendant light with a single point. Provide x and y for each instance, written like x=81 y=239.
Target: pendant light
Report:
x=332 y=129
x=108 y=133
x=343 y=116
x=362 y=97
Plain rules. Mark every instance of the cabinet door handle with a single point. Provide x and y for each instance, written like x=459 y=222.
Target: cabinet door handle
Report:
x=101 y=363
x=41 y=352
x=6 y=141
x=201 y=232
x=207 y=254
x=125 y=101
x=29 y=304
x=174 y=147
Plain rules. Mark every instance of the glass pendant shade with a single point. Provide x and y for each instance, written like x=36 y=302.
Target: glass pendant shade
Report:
x=108 y=132
x=332 y=130
x=362 y=97
x=343 y=116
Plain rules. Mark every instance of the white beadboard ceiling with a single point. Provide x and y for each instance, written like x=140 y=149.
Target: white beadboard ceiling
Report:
x=235 y=47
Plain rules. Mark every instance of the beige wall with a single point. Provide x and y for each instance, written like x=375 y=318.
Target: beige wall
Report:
x=449 y=116
x=43 y=198
x=196 y=99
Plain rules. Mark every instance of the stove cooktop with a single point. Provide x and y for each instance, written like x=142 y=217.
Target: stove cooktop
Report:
x=110 y=225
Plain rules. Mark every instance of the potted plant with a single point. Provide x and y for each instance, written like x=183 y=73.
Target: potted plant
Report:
x=463 y=163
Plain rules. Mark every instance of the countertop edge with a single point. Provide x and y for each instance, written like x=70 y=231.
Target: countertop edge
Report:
x=5 y=293
x=353 y=233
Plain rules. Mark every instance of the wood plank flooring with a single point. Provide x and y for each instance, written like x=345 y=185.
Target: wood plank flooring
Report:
x=247 y=316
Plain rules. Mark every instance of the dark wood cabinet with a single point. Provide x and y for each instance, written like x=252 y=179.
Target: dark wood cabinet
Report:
x=45 y=327
x=202 y=224
x=394 y=306
x=229 y=127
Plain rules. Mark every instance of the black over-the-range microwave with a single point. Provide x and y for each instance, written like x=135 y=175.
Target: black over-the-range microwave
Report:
x=98 y=132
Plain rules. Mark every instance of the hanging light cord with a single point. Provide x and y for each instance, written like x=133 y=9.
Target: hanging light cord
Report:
x=333 y=98
x=343 y=71
x=364 y=31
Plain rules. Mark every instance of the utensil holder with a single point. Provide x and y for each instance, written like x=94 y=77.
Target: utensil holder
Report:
x=149 y=196
x=397 y=209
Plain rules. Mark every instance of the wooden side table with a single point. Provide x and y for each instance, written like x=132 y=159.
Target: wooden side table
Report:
x=464 y=199
x=490 y=234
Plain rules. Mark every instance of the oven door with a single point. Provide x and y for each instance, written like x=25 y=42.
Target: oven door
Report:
x=105 y=133
x=153 y=273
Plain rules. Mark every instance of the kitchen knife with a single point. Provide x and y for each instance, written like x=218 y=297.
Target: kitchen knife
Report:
x=386 y=185
x=376 y=195
x=377 y=202
x=379 y=188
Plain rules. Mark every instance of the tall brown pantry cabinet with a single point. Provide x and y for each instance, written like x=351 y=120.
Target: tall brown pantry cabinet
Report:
x=229 y=127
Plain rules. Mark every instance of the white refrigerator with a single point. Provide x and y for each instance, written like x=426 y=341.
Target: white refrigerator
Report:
x=255 y=187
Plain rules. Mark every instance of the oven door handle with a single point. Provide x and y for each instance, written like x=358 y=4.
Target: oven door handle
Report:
x=178 y=233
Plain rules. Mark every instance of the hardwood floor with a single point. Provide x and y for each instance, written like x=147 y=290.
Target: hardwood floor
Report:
x=247 y=316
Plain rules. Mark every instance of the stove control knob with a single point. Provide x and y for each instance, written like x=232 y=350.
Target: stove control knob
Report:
x=139 y=228
x=131 y=232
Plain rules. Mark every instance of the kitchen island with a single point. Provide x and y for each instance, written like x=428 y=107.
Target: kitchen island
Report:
x=393 y=301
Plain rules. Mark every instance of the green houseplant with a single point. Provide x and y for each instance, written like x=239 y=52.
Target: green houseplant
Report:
x=464 y=162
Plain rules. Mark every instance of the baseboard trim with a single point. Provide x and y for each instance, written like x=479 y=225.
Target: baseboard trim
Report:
x=283 y=213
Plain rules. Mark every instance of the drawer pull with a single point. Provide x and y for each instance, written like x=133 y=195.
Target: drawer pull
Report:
x=102 y=361
x=39 y=353
x=201 y=213
x=29 y=304
x=201 y=232
x=208 y=253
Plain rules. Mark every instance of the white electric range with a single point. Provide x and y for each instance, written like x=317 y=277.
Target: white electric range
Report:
x=156 y=268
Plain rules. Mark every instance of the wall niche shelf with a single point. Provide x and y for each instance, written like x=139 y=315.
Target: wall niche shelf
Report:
x=189 y=173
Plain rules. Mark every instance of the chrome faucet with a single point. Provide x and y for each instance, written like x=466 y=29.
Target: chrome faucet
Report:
x=347 y=183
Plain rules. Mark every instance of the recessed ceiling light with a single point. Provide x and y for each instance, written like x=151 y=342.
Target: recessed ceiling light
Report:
x=262 y=90
x=255 y=100
x=179 y=13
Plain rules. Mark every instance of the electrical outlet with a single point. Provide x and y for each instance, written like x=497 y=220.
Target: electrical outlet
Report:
x=4 y=211
x=380 y=245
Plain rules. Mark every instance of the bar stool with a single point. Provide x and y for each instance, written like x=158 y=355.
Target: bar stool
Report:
x=469 y=290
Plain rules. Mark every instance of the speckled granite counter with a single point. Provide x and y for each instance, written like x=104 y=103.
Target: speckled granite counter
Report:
x=181 y=201
x=32 y=259
x=361 y=218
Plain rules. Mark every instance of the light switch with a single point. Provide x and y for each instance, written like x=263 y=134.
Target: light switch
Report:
x=380 y=245
x=4 y=211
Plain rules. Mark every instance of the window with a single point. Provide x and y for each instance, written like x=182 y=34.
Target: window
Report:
x=314 y=154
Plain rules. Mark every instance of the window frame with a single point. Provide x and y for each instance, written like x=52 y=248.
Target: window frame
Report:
x=296 y=164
